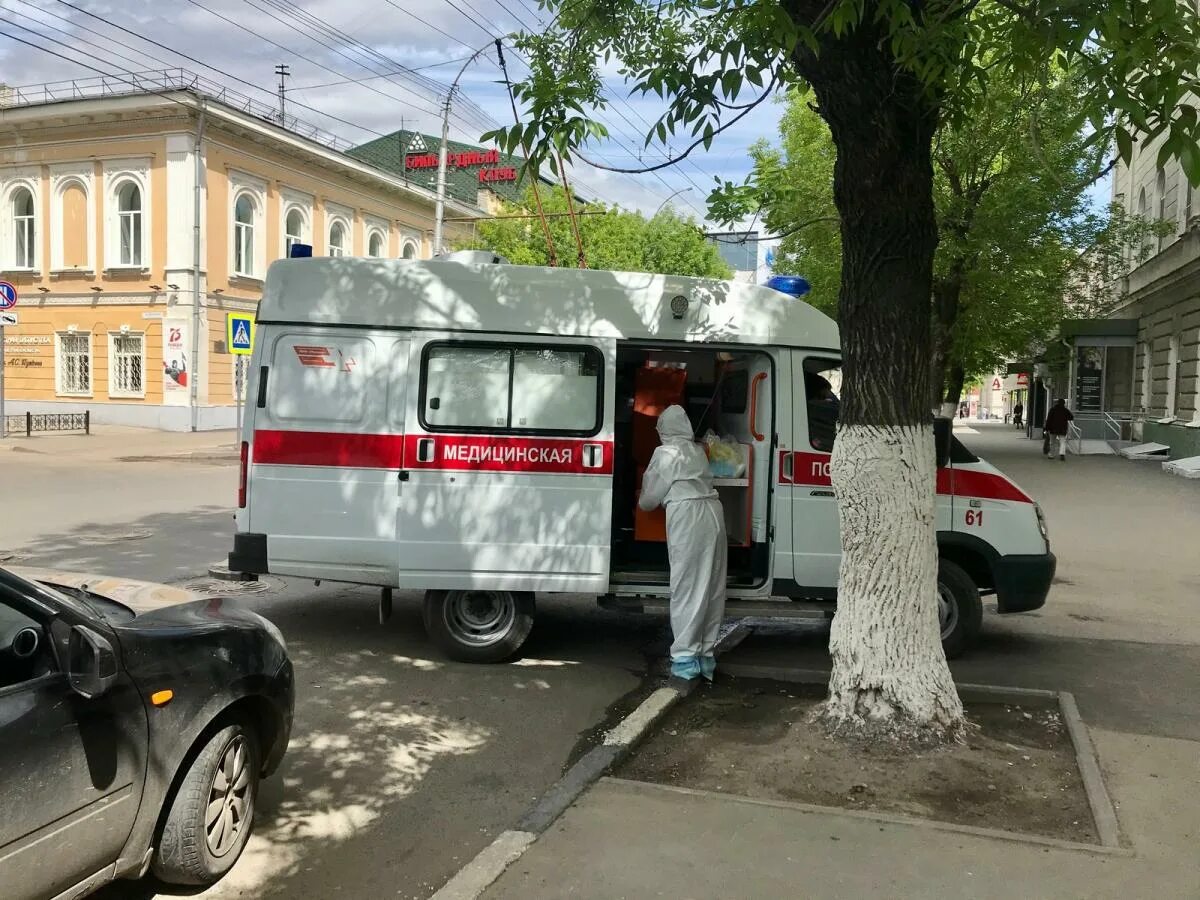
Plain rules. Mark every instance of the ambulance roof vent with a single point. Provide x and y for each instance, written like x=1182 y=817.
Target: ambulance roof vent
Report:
x=478 y=257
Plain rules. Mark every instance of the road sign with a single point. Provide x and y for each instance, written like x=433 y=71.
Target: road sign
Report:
x=239 y=333
x=8 y=318
x=8 y=295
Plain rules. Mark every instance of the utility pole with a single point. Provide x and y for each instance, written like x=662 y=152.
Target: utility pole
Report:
x=283 y=72
x=439 y=209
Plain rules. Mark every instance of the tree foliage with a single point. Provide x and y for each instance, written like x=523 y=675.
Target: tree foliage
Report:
x=1020 y=246
x=612 y=238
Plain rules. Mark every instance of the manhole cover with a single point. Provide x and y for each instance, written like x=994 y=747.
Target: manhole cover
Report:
x=114 y=536
x=214 y=587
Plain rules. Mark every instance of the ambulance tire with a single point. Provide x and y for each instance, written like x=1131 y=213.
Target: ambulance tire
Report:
x=960 y=609
x=479 y=626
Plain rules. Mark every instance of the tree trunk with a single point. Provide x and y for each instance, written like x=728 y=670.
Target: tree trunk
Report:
x=946 y=294
x=956 y=377
x=890 y=677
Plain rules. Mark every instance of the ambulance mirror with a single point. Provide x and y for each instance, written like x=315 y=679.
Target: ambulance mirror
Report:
x=941 y=440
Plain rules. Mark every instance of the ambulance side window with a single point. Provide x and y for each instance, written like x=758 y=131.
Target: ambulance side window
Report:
x=496 y=388
x=822 y=383
x=466 y=386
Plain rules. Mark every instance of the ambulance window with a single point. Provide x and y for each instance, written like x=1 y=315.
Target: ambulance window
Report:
x=320 y=377
x=466 y=387
x=822 y=385
x=555 y=390
x=511 y=388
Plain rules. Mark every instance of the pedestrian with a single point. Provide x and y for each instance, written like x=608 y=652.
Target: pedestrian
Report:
x=678 y=478
x=1018 y=411
x=1057 y=424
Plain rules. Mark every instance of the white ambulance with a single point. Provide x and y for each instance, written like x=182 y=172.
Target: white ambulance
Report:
x=477 y=431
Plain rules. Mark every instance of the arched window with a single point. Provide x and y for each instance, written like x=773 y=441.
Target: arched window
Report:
x=1141 y=211
x=1160 y=191
x=410 y=250
x=129 y=219
x=25 y=229
x=375 y=245
x=337 y=239
x=294 y=231
x=243 y=235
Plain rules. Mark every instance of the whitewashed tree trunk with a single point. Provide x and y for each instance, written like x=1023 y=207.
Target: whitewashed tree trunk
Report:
x=889 y=672
x=890 y=677
x=949 y=410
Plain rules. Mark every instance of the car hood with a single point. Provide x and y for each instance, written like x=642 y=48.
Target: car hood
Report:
x=139 y=596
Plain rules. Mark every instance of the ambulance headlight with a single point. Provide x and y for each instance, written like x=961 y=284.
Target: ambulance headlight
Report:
x=1041 y=517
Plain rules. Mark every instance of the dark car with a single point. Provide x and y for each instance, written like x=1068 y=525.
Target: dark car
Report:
x=135 y=723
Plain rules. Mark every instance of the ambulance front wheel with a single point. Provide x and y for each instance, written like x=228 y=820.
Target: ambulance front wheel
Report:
x=479 y=626
x=960 y=609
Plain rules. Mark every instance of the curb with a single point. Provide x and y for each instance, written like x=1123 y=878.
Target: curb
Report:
x=489 y=864
x=885 y=817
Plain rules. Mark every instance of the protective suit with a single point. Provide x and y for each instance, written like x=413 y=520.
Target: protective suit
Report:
x=678 y=478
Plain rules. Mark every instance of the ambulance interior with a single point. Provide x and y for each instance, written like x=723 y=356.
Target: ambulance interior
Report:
x=728 y=396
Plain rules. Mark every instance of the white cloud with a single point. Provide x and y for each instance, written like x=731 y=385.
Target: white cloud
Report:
x=413 y=33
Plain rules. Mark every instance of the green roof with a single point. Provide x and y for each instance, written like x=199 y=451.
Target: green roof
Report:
x=413 y=156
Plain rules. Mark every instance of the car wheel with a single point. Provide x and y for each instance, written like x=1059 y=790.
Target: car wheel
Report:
x=479 y=626
x=211 y=813
x=960 y=609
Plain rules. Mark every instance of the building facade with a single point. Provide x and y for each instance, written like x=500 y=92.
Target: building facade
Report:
x=1157 y=360
x=133 y=220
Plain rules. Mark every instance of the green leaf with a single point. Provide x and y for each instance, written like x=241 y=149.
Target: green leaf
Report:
x=1124 y=145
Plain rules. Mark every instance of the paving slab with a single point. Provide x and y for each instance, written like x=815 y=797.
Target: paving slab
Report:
x=630 y=840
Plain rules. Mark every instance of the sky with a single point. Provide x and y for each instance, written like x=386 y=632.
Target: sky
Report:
x=331 y=46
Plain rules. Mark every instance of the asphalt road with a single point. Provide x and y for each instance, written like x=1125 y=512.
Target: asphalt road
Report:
x=402 y=765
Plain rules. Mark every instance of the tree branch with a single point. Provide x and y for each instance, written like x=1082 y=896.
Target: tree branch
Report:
x=670 y=161
x=802 y=225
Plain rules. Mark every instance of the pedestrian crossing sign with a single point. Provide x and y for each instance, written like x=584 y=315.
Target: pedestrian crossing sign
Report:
x=239 y=333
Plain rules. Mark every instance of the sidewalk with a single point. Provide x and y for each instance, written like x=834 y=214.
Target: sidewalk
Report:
x=113 y=443
x=624 y=839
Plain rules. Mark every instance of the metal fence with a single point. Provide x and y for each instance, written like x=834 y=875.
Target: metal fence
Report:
x=159 y=82
x=31 y=422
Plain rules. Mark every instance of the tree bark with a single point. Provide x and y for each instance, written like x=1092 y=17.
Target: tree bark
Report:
x=956 y=377
x=946 y=294
x=890 y=677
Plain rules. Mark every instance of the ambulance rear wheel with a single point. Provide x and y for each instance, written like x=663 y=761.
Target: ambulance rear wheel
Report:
x=479 y=626
x=960 y=609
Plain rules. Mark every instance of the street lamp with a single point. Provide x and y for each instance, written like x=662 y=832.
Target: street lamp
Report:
x=440 y=207
x=669 y=199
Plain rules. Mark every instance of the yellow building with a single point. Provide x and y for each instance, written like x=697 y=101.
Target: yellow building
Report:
x=123 y=287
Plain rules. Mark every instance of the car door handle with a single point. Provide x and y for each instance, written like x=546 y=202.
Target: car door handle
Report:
x=403 y=475
x=425 y=450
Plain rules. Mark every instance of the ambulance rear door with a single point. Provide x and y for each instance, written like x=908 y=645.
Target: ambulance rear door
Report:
x=509 y=462
x=326 y=451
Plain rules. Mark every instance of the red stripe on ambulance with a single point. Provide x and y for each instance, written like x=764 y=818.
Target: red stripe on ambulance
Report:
x=484 y=453
x=441 y=452
x=812 y=470
x=328 y=448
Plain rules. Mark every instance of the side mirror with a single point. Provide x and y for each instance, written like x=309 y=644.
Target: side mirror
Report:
x=92 y=663
x=942 y=435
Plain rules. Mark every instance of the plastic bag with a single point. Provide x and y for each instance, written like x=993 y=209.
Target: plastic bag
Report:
x=724 y=456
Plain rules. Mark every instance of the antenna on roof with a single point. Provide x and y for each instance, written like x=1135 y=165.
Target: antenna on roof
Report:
x=283 y=72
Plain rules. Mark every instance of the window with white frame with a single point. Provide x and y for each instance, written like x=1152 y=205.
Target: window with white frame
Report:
x=375 y=244
x=129 y=224
x=337 y=239
x=293 y=228
x=24 y=229
x=243 y=235
x=73 y=363
x=410 y=250
x=127 y=364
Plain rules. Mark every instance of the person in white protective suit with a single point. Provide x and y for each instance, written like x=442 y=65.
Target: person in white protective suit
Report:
x=678 y=478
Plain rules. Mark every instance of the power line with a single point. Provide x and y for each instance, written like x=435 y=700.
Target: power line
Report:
x=211 y=68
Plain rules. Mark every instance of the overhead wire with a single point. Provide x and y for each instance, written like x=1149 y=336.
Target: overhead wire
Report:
x=224 y=72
